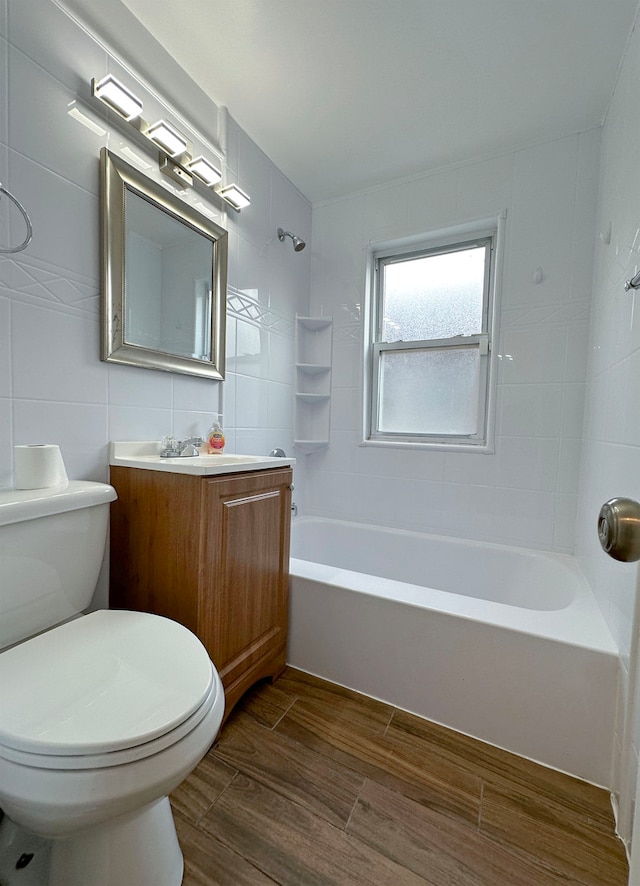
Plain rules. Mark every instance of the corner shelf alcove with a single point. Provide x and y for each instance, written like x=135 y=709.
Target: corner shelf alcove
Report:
x=312 y=383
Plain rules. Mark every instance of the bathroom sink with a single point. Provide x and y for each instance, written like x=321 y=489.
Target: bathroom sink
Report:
x=146 y=455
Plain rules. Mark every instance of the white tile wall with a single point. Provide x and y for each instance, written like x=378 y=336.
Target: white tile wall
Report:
x=53 y=386
x=5 y=348
x=611 y=440
x=524 y=493
x=611 y=444
x=4 y=65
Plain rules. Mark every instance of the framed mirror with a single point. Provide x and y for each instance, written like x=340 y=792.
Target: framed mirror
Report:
x=164 y=277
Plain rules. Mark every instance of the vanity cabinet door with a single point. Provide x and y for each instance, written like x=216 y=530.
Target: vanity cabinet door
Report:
x=243 y=609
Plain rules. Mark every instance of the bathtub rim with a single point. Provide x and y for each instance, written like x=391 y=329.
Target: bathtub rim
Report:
x=580 y=624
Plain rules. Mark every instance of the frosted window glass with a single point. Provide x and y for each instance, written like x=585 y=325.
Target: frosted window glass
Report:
x=434 y=296
x=431 y=391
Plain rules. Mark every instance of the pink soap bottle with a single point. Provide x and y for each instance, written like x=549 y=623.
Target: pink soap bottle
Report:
x=215 y=437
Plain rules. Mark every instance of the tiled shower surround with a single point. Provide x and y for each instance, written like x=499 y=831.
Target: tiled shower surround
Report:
x=565 y=343
x=526 y=492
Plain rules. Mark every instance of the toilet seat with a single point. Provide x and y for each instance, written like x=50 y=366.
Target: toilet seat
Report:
x=121 y=757
x=107 y=688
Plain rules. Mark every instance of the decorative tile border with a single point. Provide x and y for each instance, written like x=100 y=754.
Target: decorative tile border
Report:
x=41 y=283
x=350 y=334
x=32 y=280
x=245 y=307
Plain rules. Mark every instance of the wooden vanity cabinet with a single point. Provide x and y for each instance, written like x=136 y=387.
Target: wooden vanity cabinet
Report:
x=213 y=554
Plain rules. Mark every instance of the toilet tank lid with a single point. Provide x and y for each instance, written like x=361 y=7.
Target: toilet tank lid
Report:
x=17 y=505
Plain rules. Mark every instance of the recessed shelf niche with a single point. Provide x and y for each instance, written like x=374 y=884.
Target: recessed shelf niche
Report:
x=312 y=383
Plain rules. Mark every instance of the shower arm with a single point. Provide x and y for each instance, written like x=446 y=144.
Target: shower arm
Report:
x=298 y=242
x=634 y=283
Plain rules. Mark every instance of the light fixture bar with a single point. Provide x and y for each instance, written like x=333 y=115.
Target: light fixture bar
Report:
x=167 y=138
x=117 y=97
x=207 y=173
x=175 y=172
x=235 y=196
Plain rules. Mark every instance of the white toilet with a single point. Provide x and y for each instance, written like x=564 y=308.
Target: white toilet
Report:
x=101 y=715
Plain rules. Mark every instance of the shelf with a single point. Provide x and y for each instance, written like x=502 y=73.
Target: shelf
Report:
x=311 y=398
x=310 y=445
x=315 y=323
x=312 y=368
x=312 y=384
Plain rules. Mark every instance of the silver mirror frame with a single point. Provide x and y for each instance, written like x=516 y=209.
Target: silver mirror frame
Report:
x=116 y=178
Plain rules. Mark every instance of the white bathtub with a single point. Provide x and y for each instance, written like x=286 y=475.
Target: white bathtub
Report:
x=502 y=643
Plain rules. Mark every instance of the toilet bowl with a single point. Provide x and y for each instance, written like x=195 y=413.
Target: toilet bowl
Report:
x=102 y=717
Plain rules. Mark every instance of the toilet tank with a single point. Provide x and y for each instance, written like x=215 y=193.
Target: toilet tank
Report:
x=52 y=544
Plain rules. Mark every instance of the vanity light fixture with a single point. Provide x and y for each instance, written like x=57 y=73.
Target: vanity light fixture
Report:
x=167 y=138
x=234 y=196
x=176 y=161
x=116 y=96
x=207 y=173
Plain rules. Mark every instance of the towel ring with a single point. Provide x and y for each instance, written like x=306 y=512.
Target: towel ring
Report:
x=10 y=249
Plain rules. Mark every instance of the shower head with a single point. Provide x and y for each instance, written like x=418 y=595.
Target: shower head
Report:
x=298 y=242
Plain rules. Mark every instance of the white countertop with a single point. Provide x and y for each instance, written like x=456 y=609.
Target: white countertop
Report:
x=146 y=455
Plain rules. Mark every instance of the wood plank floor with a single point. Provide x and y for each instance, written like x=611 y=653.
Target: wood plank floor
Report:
x=310 y=784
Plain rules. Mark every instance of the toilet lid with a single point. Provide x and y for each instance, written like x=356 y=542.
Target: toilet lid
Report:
x=106 y=681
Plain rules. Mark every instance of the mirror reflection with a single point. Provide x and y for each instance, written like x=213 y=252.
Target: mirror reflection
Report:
x=164 y=270
x=167 y=282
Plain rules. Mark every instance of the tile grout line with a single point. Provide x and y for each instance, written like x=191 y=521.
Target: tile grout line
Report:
x=353 y=808
x=283 y=715
x=211 y=805
x=480 y=805
x=391 y=716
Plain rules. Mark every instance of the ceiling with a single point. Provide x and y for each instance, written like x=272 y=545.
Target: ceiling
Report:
x=343 y=94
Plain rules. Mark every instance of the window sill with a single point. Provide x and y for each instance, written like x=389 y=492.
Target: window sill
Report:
x=487 y=448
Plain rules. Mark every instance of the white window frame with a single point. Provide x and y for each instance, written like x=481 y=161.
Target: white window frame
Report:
x=442 y=241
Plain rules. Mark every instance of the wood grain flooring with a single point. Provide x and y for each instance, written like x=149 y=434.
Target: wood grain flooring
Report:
x=310 y=784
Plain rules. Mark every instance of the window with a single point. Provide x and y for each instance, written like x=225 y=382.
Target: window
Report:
x=431 y=315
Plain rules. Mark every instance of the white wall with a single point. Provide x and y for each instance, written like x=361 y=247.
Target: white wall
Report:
x=526 y=492
x=611 y=447
x=53 y=387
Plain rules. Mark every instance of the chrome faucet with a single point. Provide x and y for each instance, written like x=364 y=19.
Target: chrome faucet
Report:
x=172 y=448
